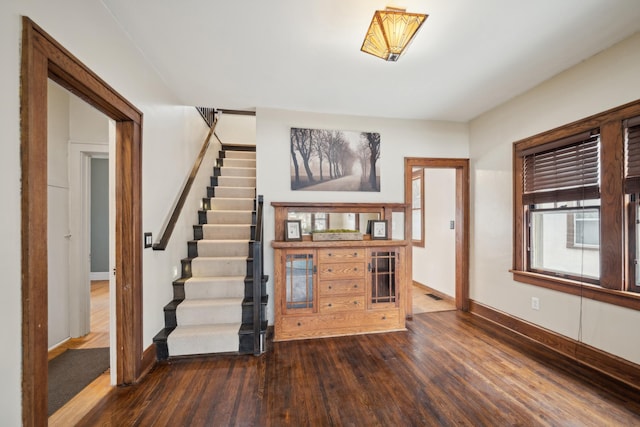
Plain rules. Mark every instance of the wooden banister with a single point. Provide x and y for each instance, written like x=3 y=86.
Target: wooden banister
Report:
x=165 y=235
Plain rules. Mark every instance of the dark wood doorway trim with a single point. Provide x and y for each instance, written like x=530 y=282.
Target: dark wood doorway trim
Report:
x=43 y=58
x=461 y=167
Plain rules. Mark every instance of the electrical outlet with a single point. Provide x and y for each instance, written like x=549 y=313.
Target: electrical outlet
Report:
x=535 y=303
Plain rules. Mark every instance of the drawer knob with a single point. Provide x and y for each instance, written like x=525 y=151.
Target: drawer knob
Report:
x=384 y=317
x=355 y=286
x=329 y=286
x=299 y=324
x=355 y=254
x=329 y=304
x=330 y=270
x=355 y=269
x=355 y=302
x=330 y=254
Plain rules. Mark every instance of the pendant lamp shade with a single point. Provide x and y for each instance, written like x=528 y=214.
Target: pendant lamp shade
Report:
x=390 y=32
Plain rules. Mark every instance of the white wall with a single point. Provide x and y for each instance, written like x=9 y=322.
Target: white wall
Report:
x=399 y=139
x=58 y=213
x=236 y=129
x=172 y=135
x=435 y=264
x=604 y=81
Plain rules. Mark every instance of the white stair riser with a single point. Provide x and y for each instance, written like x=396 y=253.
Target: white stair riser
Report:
x=231 y=204
x=226 y=232
x=229 y=217
x=203 y=341
x=211 y=267
x=223 y=248
x=231 y=171
x=239 y=154
x=235 y=192
x=237 y=181
x=214 y=289
x=239 y=163
x=187 y=314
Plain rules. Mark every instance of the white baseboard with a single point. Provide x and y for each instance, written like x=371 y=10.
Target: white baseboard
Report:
x=99 y=275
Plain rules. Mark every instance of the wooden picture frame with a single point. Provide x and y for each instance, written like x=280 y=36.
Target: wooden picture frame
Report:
x=292 y=230
x=379 y=229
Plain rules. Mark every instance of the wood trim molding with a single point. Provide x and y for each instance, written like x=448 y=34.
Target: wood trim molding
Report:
x=34 y=231
x=148 y=361
x=612 y=167
x=609 y=364
x=43 y=58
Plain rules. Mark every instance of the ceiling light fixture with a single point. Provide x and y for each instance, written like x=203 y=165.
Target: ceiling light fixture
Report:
x=390 y=32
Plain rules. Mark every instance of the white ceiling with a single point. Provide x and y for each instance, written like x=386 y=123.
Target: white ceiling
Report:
x=469 y=56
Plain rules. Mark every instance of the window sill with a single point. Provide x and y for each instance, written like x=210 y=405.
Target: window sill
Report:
x=620 y=298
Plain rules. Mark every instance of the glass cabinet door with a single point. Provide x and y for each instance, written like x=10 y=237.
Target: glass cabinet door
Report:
x=299 y=277
x=383 y=277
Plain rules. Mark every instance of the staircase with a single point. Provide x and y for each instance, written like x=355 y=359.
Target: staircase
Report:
x=212 y=310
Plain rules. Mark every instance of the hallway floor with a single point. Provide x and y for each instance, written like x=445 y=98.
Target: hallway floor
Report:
x=422 y=303
x=73 y=411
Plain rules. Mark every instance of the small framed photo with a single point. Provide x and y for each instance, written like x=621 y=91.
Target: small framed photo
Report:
x=292 y=230
x=379 y=230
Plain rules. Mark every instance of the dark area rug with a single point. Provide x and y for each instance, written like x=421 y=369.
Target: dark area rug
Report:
x=72 y=371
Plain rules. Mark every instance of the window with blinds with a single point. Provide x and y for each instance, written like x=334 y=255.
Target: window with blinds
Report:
x=567 y=169
x=632 y=155
x=560 y=191
x=632 y=189
x=576 y=216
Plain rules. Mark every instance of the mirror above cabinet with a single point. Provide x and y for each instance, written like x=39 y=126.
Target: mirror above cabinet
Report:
x=322 y=221
x=320 y=217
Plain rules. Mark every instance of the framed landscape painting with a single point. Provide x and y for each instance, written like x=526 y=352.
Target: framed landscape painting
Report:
x=334 y=160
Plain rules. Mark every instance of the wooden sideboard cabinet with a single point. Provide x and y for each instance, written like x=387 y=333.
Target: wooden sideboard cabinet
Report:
x=335 y=288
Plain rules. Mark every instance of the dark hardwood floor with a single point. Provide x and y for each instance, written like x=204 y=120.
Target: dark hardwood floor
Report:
x=449 y=368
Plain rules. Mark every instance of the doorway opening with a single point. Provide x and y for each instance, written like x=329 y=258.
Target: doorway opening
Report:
x=80 y=243
x=437 y=190
x=433 y=207
x=44 y=58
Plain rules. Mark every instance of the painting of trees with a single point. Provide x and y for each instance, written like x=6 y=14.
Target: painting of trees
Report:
x=334 y=160
x=301 y=143
x=373 y=142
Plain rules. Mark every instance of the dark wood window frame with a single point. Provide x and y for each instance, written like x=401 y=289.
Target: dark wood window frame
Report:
x=614 y=268
x=418 y=175
x=634 y=256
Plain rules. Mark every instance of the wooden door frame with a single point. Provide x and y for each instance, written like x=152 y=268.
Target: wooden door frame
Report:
x=44 y=58
x=461 y=167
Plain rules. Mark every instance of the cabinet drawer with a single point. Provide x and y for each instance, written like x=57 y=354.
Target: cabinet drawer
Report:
x=335 y=287
x=336 y=323
x=342 y=303
x=338 y=255
x=341 y=270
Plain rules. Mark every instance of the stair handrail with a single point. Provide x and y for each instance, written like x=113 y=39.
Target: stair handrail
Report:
x=165 y=234
x=258 y=263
